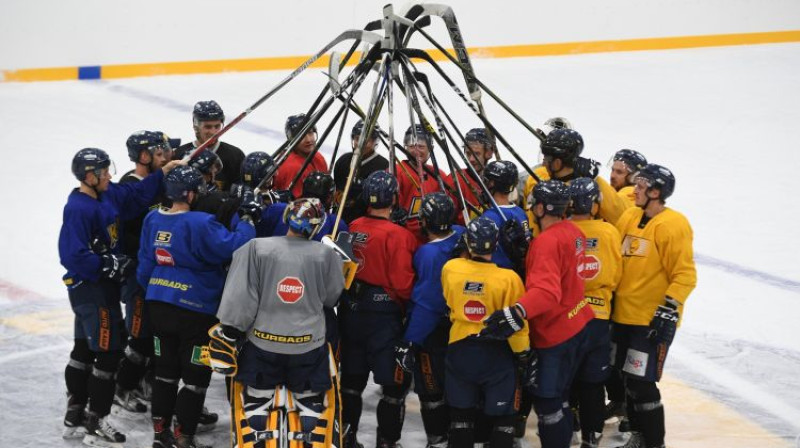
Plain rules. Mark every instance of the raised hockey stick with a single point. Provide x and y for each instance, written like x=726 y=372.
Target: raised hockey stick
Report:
x=359 y=35
x=443 y=143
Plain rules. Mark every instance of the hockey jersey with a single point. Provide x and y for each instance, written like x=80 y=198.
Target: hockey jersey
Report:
x=627 y=195
x=290 y=167
x=231 y=157
x=499 y=257
x=657 y=261
x=554 y=301
x=602 y=264
x=428 y=306
x=86 y=218
x=410 y=196
x=276 y=290
x=468 y=189
x=182 y=257
x=384 y=252
x=473 y=291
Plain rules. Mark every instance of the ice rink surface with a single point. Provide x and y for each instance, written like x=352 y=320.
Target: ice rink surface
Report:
x=723 y=119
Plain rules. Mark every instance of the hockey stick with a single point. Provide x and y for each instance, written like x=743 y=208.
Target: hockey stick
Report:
x=359 y=35
x=443 y=143
x=420 y=54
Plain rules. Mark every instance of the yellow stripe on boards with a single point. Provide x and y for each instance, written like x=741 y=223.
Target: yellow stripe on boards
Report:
x=507 y=51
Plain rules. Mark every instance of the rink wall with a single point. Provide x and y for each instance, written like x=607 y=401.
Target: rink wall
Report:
x=100 y=39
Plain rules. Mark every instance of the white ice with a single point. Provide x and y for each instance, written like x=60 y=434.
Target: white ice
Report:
x=723 y=119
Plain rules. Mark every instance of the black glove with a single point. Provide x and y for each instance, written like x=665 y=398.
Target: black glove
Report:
x=586 y=167
x=664 y=322
x=98 y=247
x=284 y=196
x=117 y=267
x=237 y=190
x=514 y=240
x=527 y=364
x=399 y=216
x=503 y=323
x=404 y=355
x=250 y=208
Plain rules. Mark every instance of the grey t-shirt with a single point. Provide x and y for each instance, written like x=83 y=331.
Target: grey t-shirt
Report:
x=276 y=289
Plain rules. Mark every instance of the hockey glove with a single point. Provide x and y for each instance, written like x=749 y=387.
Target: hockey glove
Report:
x=117 y=267
x=222 y=351
x=514 y=241
x=503 y=323
x=399 y=216
x=664 y=322
x=527 y=364
x=250 y=208
x=404 y=355
x=238 y=190
x=586 y=167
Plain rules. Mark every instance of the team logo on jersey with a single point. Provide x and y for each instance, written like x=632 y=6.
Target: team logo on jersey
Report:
x=164 y=258
x=474 y=310
x=360 y=238
x=163 y=237
x=634 y=246
x=290 y=289
x=473 y=288
x=113 y=233
x=591 y=243
x=589 y=267
x=413 y=209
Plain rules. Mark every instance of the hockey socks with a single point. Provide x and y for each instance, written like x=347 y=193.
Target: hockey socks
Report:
x=391 y=413
x=435 y=417
x=188 y=406
x=555 y=422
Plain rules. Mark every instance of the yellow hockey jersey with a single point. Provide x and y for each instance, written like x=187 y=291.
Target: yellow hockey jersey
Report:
x=474 y=290
x=602 y=264
x=657 y=261
x=626 y=193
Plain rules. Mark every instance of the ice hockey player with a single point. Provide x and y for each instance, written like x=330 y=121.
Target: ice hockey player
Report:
x=317 y=185
x=419 y=144
x=480 y=148
x=658 y=274
x=555 y=307
x=298 y=155
x=601 y=270
x=422 y=349
x=89 y=248
x=500 y=178
x=207 y=120
x=625 y=164
x=220 y=203
x=371 y=315
x=371 y=161
x=273 y=284
x=561 y=157
x=481 y=372
x=182 y=256
x=149 y=151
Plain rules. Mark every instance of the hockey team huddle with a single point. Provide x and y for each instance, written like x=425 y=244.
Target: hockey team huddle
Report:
x=488 y=293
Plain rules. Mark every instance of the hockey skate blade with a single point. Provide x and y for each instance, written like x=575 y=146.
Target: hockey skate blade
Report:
x=92 y=440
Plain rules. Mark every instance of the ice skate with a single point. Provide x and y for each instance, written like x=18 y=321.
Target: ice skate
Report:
x=99 y=432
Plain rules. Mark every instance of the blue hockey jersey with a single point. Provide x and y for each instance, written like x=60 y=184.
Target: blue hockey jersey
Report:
x=428 y=306
x=499 y=256
x=86 y=218
x=182 y=258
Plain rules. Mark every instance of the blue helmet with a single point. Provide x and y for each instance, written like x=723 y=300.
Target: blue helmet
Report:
x=146 y=141
x=205 y=161
x=583 y=193
x=421 y=133
x=503 y=174
x=207 y=111
x=305 y=216
x=182 y=180
x=658 y=177
x=255 y=168
x=89 y=159
x=379 y=189
x=481 y=135
x=553 y=194
x=481 y=236
x=294 y=123
x=633 y=160
x=436 y=212
x=319 y=185
x=359 y=128
x=565 y=144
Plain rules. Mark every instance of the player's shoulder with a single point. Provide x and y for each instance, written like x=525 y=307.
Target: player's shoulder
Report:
x=227 y=147
x=671 y=221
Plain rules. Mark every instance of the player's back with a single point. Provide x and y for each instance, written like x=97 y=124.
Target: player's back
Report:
x=602 y=264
